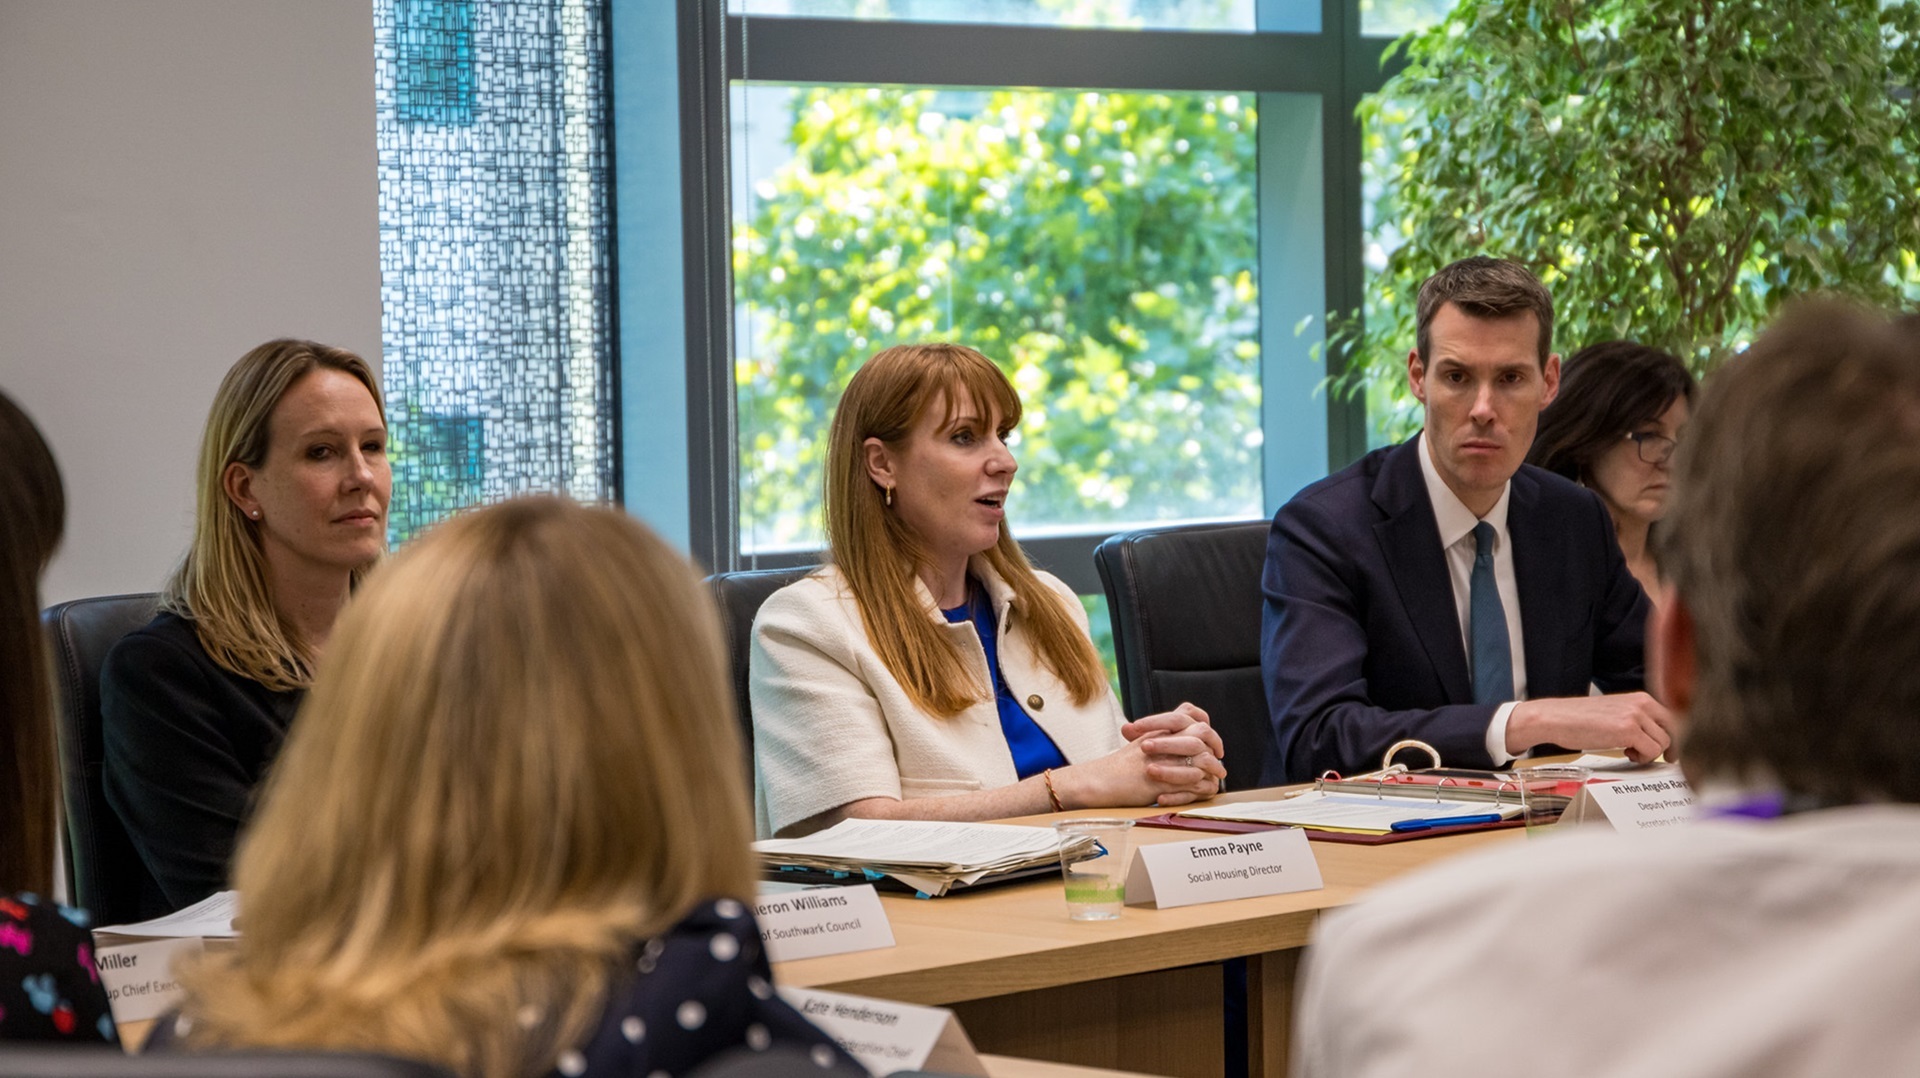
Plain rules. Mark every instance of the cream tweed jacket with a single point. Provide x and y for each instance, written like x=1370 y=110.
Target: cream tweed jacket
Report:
x=832 y=725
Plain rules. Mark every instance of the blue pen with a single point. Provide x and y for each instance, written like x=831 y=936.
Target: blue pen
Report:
x=1446 y=821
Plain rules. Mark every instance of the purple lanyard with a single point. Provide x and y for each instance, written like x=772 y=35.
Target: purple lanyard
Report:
x=1767 y=806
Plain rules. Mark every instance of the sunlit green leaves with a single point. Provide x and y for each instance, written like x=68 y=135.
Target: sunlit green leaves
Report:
x=1101 y=247
x=1672 y=170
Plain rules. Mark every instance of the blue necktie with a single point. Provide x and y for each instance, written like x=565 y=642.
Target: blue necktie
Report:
x=1487 y=625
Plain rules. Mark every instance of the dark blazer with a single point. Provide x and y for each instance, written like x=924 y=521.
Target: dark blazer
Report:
x=186 y=744
x=1360 y=639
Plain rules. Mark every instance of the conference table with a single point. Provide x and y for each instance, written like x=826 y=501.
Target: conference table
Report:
x=1143 y=993
x=1042 y=996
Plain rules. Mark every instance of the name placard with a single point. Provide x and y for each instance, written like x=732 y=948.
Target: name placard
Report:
x=1644 y=803
x=886 y=1036
x=139 y=978
x=822 y=921
x=1220 y=867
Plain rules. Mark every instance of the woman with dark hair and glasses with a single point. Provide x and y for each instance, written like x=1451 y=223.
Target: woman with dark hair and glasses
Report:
x=1613 y=429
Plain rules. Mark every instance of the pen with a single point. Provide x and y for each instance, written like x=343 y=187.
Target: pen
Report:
x=1445 y=821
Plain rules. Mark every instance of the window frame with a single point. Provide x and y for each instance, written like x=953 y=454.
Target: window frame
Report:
x=1337 y=65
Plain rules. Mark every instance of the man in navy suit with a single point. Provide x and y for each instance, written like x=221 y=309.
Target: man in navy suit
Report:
x=1442 y=591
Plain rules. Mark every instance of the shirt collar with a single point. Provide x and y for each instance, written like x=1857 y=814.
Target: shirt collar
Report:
x=999 y=592
x=1456 y=521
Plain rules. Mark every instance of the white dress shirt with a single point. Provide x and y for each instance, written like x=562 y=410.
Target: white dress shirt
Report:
x=1720 y=947
x=1456 y=539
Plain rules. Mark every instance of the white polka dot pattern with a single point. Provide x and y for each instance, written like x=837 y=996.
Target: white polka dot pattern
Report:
x=759 y=987
x=633 y=1029
x=691 y=1015
x=822 y=1056
x=723 y=946
x=728 y=908
x=572 y=1064
x=758 y=1038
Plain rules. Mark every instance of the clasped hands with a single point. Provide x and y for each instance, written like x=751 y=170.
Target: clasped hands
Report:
x=1180 y=753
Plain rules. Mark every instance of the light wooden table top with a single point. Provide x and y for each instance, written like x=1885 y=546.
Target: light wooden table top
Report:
x=1017 y=937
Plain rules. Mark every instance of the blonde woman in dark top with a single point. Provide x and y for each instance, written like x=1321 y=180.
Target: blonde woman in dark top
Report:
x=509 y=834
x=291 y=510
x=49 y=989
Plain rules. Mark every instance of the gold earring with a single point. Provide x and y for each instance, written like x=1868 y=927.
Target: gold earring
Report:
x=889 y=493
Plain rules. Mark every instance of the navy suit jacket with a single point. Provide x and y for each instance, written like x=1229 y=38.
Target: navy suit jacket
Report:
x=1360 y=638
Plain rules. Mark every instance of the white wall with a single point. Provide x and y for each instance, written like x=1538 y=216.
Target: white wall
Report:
x=179 y=181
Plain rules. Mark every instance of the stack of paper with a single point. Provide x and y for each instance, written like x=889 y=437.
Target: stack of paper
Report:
x=210 y=918
x=930 y=856
x=136 y=961
x=1357 y=813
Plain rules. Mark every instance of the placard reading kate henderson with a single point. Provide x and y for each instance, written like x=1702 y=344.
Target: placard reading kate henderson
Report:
x=888 y=1037
x=1219 y=867
x=821 y=921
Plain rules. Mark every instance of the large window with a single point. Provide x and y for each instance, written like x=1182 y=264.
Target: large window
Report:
x=1133 y=14
x=1143 y=209
x=1102 y=246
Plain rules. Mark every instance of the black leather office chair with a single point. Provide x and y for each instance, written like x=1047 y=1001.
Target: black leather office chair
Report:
x=40 y=1061
x=109 y=879
x=1185 y=603
x=739 y=596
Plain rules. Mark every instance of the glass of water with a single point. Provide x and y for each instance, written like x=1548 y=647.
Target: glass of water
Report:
x=1096 y=876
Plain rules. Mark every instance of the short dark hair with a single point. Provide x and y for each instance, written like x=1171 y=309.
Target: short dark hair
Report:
x=1792 y=540
x=1606 y=390
x=1484 y=288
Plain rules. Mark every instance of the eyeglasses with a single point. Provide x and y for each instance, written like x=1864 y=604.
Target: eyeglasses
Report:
x=1654 y=448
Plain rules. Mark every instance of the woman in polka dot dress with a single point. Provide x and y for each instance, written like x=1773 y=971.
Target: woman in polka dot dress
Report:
x=508 y=834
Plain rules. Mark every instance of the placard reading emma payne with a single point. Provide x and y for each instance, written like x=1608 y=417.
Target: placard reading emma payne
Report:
x=139 y=978
x=886 y=1036
x=1219 y=867
x=822 y=921
x=1644 y=802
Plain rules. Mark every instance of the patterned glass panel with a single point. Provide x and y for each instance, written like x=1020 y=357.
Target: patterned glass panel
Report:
x=494 y=251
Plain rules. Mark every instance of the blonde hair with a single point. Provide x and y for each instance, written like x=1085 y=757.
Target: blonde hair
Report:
x=221 y=585
x=879 y=553
x=519 y=758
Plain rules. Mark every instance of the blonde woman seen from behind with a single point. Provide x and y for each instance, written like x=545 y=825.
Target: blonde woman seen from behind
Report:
x=509 y=834
x=291 y=509
x=931 y=672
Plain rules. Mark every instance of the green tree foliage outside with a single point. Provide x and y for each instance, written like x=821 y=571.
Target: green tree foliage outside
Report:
x=1102 y=247
x=1672 y=170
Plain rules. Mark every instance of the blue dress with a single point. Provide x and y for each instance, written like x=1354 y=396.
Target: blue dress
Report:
x=1033 y=751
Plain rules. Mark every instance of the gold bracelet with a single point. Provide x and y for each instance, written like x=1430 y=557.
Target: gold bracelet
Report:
x=1052 y=796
